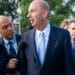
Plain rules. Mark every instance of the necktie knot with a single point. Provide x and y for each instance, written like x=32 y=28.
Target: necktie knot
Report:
x=42 y=38
x=42 y=34
x=9 y=43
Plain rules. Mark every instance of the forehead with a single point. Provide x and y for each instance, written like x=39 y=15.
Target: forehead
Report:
x=34 y=5
x=4 y=20
x=72 y=25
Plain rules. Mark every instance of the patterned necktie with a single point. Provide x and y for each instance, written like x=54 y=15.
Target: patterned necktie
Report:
x=41 y=47
x=12 y=52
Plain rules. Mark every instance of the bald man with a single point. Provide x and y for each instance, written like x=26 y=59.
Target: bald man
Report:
x=47 y=49
x=8 y=61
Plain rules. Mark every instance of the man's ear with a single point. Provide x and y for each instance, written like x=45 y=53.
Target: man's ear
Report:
x=45 y=14
x=0 y=31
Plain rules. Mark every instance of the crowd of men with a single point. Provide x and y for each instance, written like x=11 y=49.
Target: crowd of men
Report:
x=42 y=50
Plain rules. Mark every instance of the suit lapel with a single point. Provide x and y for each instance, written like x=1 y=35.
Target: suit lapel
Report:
x=18 y=38
x=3 y=47
x=2 y=43
x=32 y=43
x=51 y=43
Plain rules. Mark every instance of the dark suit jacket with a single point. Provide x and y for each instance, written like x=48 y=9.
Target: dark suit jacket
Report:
x=4 y=56
x=73 y=60
x=58 y=55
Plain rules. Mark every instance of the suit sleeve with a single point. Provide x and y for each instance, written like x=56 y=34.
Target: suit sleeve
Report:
x=2 y=60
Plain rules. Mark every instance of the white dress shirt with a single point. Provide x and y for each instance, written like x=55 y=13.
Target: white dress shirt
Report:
x=46 y=32
x=14 y=43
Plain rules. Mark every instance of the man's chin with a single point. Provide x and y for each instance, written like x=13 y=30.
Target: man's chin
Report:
x=9 y=38
x=33 y=25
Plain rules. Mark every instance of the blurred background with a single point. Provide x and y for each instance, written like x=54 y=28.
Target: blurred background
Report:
x=17 y=11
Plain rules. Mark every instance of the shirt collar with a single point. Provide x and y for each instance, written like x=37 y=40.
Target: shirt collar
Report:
x=6 y=41
x=46 y=31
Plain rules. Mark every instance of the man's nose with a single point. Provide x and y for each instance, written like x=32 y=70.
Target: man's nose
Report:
x=10 y=27
x=28 y=15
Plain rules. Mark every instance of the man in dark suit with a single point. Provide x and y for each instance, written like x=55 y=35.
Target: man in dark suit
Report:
x=9 y=53
x=52 y=55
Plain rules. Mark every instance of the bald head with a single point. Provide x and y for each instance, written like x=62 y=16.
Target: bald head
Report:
x=38 y=13
x=6 y=27
x=4 y=19
x=42 y=4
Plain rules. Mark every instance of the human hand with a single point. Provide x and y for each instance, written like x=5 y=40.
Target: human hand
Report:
x=12 y=64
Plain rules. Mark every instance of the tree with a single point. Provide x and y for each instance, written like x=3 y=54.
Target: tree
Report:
x=24 y=8
x=61 y=10
x=8 y=7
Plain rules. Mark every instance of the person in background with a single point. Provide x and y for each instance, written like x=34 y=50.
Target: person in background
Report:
x=70 y=26
x=8 y=47
x=46 y=49
x=64 y=24
x=71 y=29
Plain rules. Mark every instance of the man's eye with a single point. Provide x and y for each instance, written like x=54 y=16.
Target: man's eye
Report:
x=5 y=27
x=31 y=10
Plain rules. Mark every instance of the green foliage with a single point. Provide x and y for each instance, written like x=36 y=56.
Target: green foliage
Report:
x=56 y=20
x=24 y=5
x=60 y=8
x=25 y=21
x=8 y=8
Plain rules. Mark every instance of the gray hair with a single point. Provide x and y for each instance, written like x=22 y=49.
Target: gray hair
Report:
x=46 y=6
